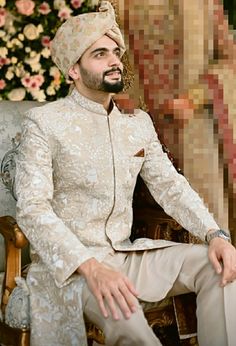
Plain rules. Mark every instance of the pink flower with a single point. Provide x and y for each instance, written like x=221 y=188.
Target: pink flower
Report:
x=39 y=79
x=26 y=81
x=45 y=41
x=4 y=61
x=44 y=8
x=3 y=13
x=64 y=13
x=32 y=82
x=25 y=7
x=76 y=3
x=2 y=84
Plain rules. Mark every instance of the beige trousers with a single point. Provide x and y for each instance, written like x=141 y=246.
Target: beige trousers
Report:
x=216 y=306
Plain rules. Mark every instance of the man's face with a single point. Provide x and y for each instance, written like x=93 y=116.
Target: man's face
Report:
x=101 y=68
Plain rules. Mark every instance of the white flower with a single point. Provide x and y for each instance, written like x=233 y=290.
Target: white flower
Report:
x=19 y=71
x=2 y=3
x=17 y=94
x=11 y=30
x=21 y=37
x=58 y=4
x=34 y=61
x=40 y=28
x=38 y=95
x=2 y=33
x=46 y=53
x=31 y=32
x=17 y=43
x=33 y=53
x=3 y=52
x=9 y=74
x=50 y=90
x=35 y=67
x=9 y=44
x=41 y=71
x=27 y=49
x=13 y=60
x=93 y=3
x=53 y=70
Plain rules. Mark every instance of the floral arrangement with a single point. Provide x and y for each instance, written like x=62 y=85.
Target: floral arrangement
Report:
x=26 y=29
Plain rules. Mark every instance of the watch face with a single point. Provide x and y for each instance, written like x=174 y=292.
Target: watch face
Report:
x=223 y=234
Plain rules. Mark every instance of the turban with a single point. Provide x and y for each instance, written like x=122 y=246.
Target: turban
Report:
x=78 y=33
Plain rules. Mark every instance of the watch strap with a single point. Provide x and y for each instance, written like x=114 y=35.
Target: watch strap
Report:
x=220 y=233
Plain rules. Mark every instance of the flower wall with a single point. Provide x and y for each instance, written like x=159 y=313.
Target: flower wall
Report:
x=26 y=29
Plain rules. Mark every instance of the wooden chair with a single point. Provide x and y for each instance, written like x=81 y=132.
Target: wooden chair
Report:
x=149 y=221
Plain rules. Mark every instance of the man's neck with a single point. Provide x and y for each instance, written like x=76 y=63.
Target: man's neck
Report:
x=96 y=96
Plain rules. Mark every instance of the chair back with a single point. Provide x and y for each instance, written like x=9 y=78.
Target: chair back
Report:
x=11 y=116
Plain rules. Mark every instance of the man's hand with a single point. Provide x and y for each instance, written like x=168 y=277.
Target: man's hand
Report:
x=223 y=258
x=109 y=287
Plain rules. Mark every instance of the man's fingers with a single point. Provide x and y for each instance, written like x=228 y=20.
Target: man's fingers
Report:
x=111 y=304
x=123 y=305
x=215 y=262
x=101 y=305
x=118 y=299
x=229 y=272
x=130 y=286
x=129 y=297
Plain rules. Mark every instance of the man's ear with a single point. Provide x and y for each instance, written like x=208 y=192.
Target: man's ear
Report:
x=74 y=72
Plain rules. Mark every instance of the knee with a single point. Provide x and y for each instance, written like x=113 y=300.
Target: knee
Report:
x=127 y=331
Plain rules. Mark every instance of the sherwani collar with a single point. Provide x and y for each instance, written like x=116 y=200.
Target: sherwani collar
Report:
x=88 y=104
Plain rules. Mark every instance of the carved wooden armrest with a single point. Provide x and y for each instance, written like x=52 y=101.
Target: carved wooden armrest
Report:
x=14 y=242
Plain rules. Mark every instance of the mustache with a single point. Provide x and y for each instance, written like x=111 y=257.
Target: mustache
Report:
x=114 y=69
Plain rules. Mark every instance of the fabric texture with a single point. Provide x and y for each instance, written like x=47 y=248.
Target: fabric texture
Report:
x=17 y=310
x=78 y=33
x=75 y=176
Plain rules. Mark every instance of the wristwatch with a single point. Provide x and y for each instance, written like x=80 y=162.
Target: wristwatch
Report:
x=220 y=233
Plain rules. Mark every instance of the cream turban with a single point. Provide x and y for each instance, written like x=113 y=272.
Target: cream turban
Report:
x=78 y=33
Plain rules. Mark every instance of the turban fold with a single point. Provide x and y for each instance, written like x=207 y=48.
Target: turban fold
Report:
x=78 y=33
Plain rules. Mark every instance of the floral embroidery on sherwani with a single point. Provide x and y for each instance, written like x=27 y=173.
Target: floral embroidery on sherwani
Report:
x=75 y=177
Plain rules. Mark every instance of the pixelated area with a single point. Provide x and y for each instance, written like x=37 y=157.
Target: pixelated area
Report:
x=183 y=56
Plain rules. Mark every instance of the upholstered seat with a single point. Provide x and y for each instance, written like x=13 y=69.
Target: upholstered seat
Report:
x=149 y=221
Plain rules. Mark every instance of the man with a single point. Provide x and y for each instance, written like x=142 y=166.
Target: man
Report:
x=76 y=171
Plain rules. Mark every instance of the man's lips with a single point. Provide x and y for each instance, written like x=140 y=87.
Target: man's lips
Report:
x=113 y=74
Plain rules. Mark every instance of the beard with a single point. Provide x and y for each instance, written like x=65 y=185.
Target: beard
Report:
x=96 y=82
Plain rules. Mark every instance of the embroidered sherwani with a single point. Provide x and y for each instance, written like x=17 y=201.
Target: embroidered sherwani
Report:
x=76 y=172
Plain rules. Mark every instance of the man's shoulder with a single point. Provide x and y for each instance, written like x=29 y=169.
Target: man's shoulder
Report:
x=141 y=118
x=47 y=110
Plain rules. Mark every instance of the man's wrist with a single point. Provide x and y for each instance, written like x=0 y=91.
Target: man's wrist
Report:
x=86 y=267
x=217 y=233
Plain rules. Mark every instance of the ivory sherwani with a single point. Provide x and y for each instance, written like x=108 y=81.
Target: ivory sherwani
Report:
x=76 y=171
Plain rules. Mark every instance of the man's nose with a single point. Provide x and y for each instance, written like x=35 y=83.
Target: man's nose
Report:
x=114 y=60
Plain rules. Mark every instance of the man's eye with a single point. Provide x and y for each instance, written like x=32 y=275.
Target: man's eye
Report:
x=100 y=54
x=118 y=54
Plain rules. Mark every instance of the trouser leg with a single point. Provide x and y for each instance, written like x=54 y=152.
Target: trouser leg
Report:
x=132 y=332
x=216 y=306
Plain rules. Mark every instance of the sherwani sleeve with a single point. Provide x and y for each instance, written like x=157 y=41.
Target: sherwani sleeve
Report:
x=173 y=192
x=56 y=245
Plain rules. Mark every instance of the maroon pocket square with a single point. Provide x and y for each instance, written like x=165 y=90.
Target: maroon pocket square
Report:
x=140 y=153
